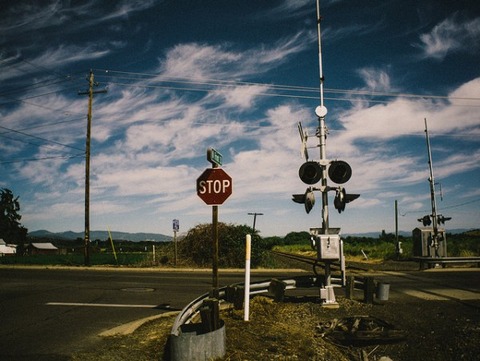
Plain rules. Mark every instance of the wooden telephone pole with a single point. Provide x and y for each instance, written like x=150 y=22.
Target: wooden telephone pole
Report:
x=90 y=92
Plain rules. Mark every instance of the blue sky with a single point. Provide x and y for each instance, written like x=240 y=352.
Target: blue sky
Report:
x=238 y=76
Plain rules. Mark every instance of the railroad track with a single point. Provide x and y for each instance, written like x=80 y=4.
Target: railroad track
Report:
x=315 y=263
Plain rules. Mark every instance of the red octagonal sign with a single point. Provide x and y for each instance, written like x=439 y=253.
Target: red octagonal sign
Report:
x=214 y=186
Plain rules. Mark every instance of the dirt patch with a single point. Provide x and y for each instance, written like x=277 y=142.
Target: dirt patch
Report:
x=146 y=343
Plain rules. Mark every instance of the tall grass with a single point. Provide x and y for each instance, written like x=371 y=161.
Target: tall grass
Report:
x=76 y=259
x=373 y=249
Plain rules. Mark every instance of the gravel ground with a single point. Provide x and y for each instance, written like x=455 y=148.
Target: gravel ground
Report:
x=288 y=331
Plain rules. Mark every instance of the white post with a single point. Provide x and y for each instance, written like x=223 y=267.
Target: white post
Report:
x=342 y=265
x=248 y=251
x=153 y=252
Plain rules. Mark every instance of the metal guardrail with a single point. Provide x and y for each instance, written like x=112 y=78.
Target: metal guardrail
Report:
x=429 y=261
x=193 y=308
x=190 y=311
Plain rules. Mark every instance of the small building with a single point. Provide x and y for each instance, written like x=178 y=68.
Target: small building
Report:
x=6 y=250
x=422 y=242
x=42 y=248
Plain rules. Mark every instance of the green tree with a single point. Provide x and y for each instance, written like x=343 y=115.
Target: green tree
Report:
x=197 y=245
x=297 y=238
x=10 y=228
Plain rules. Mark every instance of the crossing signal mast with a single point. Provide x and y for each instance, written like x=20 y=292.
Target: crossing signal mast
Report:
x=325 y=240
x=434 y=218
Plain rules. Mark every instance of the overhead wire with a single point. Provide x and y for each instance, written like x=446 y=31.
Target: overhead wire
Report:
x=443 y=208
x=156 y=81
x=42 y=158
x=135 y=76
x=45 y=125
x=40 y=138
x=52 y=78
x=33 y=86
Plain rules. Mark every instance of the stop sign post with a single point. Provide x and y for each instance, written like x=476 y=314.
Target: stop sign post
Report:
x=214 y=186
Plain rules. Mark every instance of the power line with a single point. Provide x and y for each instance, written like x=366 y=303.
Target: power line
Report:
x=42 y=158
x=45 y=125
x=230 y=83
x=37 y=85
x=40 y=138
x=462 y=204
x=44 y=68
x=291 y=96
x=443 y=208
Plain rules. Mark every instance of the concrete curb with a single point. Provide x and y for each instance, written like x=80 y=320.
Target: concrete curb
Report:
x=128 y=328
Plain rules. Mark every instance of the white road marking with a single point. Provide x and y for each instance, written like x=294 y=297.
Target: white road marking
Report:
x=425 y=295
x=98 y=305
x=443 y=294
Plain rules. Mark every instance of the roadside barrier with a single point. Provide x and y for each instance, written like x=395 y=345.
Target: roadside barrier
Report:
x=191 y=340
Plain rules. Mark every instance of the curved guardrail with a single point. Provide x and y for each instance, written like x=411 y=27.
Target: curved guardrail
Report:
x=199 y=345
x=191 y=310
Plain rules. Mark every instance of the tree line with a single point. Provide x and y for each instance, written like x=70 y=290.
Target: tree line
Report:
x=196 y=246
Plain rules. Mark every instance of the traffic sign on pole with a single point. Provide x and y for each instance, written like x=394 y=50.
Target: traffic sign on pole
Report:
x=214 y=186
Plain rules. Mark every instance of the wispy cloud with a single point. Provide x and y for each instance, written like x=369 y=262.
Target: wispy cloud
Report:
x=65 y=54
x=286 y=9
x=450 y=36
x=203 y=61
x=377 y=80
x=31 y=16
x=242 y=96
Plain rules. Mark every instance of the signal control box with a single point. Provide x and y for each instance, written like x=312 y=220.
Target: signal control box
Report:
x=327 y=245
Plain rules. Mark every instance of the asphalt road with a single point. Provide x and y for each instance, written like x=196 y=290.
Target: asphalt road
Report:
x=46 y=314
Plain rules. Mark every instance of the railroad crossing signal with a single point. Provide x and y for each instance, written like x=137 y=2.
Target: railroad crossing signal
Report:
x=308 y=198
x=214 y=186
x=427 y=220
x=311 y=172
x=342 y=198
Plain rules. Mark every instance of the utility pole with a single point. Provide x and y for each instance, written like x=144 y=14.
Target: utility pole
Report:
x=90 y=92
x=255 y=214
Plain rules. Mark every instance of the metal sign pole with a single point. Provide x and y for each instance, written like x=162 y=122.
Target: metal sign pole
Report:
x=175 y=247
x=176 y=227
x=215 y=158
x=215 y=250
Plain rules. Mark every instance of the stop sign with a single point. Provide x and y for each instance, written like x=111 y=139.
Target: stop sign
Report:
x=214 y=186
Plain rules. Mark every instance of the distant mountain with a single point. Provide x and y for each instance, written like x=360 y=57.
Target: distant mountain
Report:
x=102 y=235
x=157 y=237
